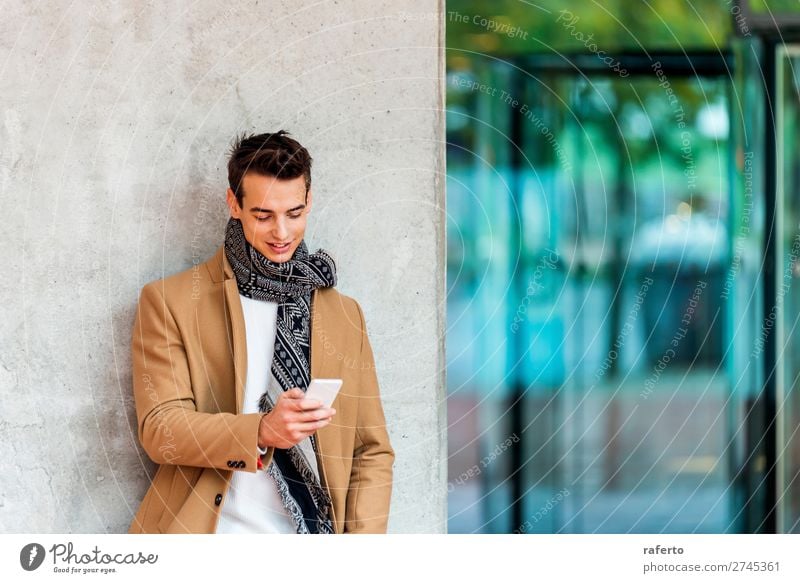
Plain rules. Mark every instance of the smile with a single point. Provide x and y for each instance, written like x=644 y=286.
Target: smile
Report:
x=279 y=248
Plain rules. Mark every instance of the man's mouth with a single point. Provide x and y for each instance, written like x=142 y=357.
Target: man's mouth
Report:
x=279 y=248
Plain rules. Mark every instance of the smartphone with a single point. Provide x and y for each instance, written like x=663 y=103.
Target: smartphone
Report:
x=324 y=390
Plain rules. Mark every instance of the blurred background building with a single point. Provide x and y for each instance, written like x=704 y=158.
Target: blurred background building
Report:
x=623 y=200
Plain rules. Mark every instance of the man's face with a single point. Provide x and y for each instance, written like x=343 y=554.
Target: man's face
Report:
x=273 y=213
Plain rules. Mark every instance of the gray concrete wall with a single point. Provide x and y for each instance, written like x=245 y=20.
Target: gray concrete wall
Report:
x=115 y=120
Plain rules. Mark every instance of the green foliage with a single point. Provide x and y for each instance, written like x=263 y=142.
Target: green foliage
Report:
x=774 y=6
x=514 y=27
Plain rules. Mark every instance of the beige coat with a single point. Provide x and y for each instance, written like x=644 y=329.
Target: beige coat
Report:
x=189 y=370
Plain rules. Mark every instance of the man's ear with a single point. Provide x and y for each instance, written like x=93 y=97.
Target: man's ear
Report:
x=233 y=204
x=308 y=201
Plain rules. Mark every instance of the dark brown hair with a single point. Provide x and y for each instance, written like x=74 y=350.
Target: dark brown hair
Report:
x=275 y=155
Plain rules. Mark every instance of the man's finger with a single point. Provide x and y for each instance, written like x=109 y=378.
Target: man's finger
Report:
x=295 y=405
x=309 y=404
x=311 y=427
x=315 y=415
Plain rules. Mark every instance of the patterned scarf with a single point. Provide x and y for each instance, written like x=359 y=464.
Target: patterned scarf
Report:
x=288 y=284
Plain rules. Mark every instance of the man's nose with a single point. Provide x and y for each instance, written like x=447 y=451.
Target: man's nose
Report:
x=281 y=229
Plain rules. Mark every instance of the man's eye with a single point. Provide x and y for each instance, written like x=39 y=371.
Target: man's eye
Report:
x=262 y=219
x=295 y=216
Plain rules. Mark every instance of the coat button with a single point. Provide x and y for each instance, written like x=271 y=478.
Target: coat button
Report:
x=242 y=464
x=218 y=500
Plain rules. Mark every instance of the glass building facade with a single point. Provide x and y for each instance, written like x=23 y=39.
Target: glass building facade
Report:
x=623 y=236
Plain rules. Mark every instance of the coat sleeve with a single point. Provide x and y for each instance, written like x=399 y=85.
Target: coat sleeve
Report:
x=170 y=428
x=369 y=495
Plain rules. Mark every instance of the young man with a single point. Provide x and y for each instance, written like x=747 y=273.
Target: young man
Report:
x=222 y=356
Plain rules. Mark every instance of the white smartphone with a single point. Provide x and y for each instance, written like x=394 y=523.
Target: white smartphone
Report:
x=324 y=390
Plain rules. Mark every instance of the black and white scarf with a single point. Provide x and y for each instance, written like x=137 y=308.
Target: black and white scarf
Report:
x=289 y=284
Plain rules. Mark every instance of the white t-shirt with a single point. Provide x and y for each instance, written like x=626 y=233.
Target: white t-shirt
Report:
x=253 y=504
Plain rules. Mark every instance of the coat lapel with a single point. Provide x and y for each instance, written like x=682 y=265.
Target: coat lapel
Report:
x=318 y=356
x=319 y=370
x=221 y=273
x=236 y=318
x=320 y=360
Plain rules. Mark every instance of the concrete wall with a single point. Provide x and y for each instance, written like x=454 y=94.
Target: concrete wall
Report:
x=115 y=122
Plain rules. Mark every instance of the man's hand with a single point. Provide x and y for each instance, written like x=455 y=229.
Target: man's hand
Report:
x=292 y=420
